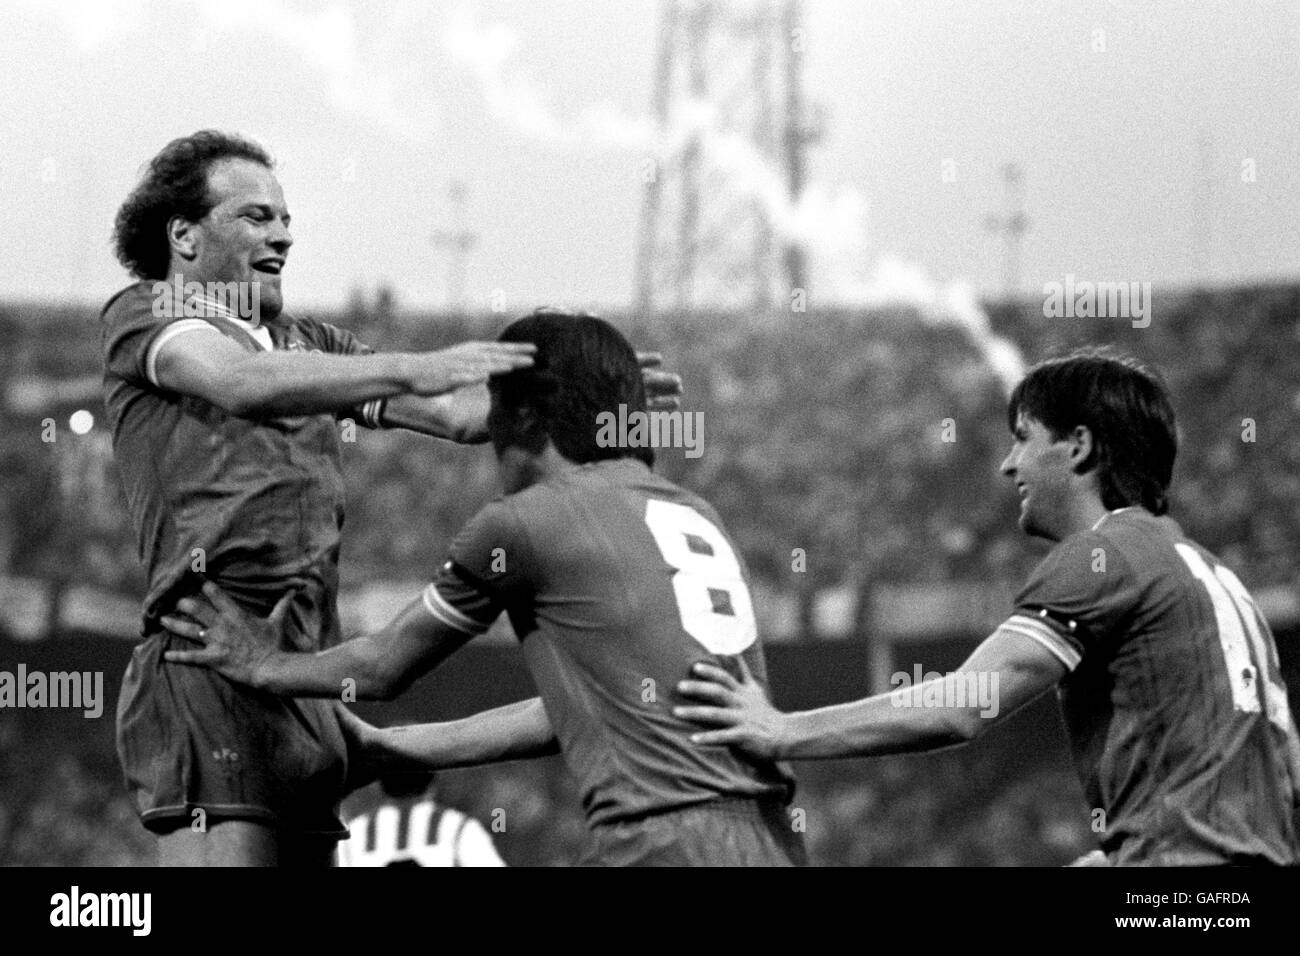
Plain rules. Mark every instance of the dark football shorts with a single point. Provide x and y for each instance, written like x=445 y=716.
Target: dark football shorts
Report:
x=189 y=739
x=734 y=831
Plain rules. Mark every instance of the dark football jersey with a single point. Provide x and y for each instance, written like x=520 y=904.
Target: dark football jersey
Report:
x=1174 y=704
x=616 y=581
x=253 y=504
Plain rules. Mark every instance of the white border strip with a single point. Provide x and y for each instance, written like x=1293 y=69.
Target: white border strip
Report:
x=437 y=605
x=1040 y=632
x=169 y=332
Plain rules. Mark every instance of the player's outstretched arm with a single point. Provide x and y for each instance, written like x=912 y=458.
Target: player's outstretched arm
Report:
x=247 y=649
x=461 y=415
x=1014 y=670
x=208 y=365
x=516 y=731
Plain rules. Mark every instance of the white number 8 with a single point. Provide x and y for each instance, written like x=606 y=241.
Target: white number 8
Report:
x=712 y=599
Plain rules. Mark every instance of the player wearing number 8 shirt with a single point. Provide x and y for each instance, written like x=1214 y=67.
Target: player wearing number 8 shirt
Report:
x=615 y=581
x=1167 y=674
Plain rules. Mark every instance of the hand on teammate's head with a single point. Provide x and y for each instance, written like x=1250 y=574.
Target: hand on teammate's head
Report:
x=663 y=390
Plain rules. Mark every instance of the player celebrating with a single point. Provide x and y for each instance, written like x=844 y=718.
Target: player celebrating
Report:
x=224 y=414
x=615 y=581
x=1169 y=677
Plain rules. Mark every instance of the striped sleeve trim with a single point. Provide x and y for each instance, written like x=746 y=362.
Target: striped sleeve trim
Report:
x=169 y=332
x=439 y=607
x=1044 y=635
x=372 y=413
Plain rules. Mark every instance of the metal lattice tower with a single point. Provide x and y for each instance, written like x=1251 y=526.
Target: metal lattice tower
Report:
x=732 y=133
x=457 y=243
x=1012 y=224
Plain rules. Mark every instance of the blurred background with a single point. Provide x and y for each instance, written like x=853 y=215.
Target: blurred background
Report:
x=840 y=222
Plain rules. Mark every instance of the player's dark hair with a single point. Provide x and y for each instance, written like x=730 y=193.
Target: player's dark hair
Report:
x=1126 y=407
x=583 y=367
x=174 y=184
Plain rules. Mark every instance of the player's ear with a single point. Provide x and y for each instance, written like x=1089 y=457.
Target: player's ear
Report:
x=528 y=421
x=183 y=237
x=1082 y=448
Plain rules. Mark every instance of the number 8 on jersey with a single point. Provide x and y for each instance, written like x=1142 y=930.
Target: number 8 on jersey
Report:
x=712 y=598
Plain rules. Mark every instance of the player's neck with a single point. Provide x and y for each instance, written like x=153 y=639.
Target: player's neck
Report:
x=1084 y=513
x=551 y=464
x=521 y=469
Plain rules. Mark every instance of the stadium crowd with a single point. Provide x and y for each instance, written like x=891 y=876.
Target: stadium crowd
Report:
x=869 y=440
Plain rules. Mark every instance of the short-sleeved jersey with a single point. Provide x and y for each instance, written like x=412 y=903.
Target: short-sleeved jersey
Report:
x=254 y=504
x=616 y=581
x=1174 y=702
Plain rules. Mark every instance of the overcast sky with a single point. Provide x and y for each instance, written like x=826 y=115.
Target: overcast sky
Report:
x=1135 y=139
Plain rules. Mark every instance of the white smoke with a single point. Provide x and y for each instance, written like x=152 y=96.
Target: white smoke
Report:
x=896 y=282
x=383 y=67
x=366 y=63
x=92 y=24
x=486 y=54
x=829 y=223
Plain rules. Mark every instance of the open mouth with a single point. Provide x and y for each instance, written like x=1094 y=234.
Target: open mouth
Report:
x=269 y=266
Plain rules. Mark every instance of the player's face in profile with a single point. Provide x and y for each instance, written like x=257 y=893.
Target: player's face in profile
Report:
x=245 y=237
x=1040 y=467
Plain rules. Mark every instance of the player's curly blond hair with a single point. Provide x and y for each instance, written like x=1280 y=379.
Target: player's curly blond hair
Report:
x=175 y=183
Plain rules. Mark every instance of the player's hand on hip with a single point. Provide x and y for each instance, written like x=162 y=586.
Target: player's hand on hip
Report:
x=433 y=373
x=231 y=641
x=738 y=710
x=663 y=390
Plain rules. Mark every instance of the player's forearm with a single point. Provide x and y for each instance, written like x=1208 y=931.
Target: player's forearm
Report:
x=884 y=724
x=516 y=731
x=355 y=669
x=289 y=383
x=442 y=416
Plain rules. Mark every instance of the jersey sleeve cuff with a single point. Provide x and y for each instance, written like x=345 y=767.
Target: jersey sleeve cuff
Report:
x=372 y=413
x=442 y=609
x=169 y=332
x=1034 y=629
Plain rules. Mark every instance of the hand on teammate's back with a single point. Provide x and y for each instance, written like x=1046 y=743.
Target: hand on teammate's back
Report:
x=738 y=711
x=433 y=373
x=231 y=641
